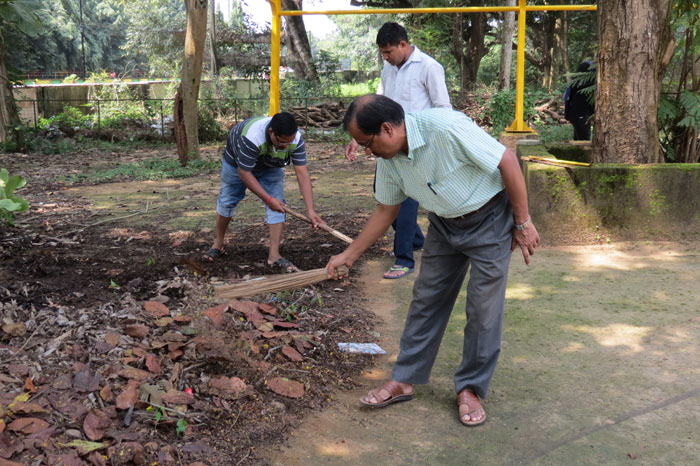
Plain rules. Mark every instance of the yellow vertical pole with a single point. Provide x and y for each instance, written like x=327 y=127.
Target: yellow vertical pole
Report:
x=518 y=125
x=275 y=56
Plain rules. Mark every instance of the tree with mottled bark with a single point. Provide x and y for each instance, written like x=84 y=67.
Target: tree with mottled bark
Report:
x=185 y=111
x=298 y=44
x=633 y=39
x=22 y=16
x=213 y=53
x=507 y=32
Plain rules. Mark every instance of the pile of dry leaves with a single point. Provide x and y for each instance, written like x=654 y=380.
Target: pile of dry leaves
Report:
x=141 y=383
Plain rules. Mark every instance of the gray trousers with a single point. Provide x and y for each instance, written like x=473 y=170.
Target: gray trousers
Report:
x=482 y=240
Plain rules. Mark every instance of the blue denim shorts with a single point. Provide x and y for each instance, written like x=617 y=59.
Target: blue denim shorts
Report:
x=233 y=190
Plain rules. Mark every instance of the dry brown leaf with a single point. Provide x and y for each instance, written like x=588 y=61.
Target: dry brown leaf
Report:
x=95 y=423
x=140 y=352
x=265 y=327
x=163 y=321
x=29 y=385
x=27 y=408
x=137 y=330
x=15 y=330
x=86 y=381
x=182 y=318
x=175 y=397
x=268 y=308
x=134 y=373
x=129 y=396
x=18 y=370
x=27 y=425
x=292 y=354
x=112 y=338
x=286 y=387
x=249 y=309
x=63 y=382
x=152 y=363
x=172 y=335
x=156 y=309
x=216 y=314
x=106 y=394
x=227 y=387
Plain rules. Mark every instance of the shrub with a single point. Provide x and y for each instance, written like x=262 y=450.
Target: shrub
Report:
x=9 y=203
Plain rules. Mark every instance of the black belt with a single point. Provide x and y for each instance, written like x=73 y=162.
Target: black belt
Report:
x=484 y=207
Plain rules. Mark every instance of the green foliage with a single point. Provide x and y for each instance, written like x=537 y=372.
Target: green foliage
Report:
x=501 y=108
x=555 y=133
x=9 y=203
x=690 y=104
x=358 y=89
x=181 y=426
x=208 y=127
x=70 y=117
x=149 y=169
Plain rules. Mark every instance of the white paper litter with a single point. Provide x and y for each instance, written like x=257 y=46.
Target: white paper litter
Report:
x=365 y=348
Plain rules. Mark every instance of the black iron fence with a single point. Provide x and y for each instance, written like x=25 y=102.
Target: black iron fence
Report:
x=158 y=111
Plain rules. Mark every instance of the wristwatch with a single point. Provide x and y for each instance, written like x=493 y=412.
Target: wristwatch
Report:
x=522 y=226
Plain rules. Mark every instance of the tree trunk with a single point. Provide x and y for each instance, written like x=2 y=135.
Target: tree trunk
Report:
x=507 y=47
x=192 y=75
x=558 y=49
x=632 y=38
x=469 y=58
x=298 y=43
x=9 y=118
x=213 y=55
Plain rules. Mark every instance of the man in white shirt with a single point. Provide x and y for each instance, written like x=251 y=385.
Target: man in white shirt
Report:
x=415 y=81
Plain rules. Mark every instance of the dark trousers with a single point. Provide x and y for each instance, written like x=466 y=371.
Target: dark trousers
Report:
x=479 y=243
x=582 y=128
x=408 y=236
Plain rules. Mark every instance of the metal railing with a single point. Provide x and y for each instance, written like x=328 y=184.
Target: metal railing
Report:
x=158 y=110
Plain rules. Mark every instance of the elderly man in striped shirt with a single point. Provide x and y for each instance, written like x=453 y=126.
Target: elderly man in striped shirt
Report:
x=475 y=192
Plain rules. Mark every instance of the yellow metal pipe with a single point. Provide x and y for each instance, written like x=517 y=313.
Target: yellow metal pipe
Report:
x=469 y=9
x=276 y=7
x=388 y=11
x=518 y=125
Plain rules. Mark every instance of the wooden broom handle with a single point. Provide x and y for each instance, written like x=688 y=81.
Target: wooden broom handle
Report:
x=322 y=226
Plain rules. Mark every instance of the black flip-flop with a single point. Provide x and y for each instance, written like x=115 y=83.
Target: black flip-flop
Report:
x=212 y=254
x=284 y=264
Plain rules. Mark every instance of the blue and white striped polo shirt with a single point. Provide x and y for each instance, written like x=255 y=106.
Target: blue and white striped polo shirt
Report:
x=451 y=168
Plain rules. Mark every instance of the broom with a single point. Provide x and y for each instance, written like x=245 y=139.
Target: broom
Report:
x=322 y=226
x=272 y=283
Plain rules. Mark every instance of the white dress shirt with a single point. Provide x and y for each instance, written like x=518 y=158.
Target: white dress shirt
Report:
x=418 y=85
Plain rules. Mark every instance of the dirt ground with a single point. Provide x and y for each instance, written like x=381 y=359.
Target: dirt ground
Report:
x=108 y=321
x=108 y=318
x=599 y=365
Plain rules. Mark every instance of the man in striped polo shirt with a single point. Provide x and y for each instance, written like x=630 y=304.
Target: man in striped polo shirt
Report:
x=256 y=151
x=475 y=192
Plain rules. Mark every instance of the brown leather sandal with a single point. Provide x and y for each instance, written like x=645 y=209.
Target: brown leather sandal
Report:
x=390 y=393
x=468 y=398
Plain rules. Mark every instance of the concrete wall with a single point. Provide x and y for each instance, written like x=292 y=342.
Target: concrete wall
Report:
x=616 y=201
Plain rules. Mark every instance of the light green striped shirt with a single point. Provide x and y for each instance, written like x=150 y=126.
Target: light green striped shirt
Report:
x=451 y=168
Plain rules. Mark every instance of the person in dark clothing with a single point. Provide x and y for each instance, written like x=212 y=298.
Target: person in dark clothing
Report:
x=577 y=109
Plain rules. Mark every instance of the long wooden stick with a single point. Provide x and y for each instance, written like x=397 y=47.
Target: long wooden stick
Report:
x=322 y=226
x=270 y=283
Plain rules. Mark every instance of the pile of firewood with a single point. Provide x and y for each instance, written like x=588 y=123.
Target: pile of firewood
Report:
x=323 y=115
x=551 y=109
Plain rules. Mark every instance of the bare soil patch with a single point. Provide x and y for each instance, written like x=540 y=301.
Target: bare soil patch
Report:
x=110 y=334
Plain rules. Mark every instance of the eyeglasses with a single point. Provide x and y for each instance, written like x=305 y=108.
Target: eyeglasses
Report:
x=367 y=146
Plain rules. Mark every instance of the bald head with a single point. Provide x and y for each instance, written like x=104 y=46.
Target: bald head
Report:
x=370 y=111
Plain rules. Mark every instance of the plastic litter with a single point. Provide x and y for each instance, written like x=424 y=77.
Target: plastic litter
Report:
x=365 y=348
